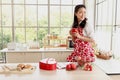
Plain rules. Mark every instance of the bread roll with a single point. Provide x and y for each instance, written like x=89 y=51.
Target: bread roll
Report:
x=24 y=66
x=21 y=66
x=28 y=66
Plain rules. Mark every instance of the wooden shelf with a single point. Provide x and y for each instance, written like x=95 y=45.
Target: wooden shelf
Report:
x=54 y=42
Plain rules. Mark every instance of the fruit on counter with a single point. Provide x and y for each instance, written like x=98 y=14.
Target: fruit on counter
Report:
x=71 y=66
x=68 y=67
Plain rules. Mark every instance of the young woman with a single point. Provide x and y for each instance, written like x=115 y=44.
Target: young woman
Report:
x=82 y=36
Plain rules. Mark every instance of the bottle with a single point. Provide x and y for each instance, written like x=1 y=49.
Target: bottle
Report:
x=70 y=43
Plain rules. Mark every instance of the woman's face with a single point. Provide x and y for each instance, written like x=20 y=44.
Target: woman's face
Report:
x=81 y=14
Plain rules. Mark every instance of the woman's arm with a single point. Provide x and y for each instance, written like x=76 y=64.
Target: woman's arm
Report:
x=84 y=38
x=74 y=33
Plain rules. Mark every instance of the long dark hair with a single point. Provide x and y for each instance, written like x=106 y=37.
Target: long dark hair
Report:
x=75 y=22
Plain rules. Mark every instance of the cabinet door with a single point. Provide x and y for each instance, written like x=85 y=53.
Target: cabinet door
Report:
x=15 y=57
x=33 y=57
x=64 y=55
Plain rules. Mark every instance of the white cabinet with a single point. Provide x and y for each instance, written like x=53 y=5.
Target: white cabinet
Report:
x=32 y=57
x=55 y=55
x=58 y=56
x=36 y=56
x=15 y=57
x=64 y=55
x=23 y=57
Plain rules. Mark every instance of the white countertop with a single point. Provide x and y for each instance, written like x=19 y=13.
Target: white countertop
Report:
x=60 y=74
x=38 y=50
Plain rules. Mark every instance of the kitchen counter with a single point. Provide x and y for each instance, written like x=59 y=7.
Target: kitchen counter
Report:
x=37 y=50
x=37 y=54
x=59 y=74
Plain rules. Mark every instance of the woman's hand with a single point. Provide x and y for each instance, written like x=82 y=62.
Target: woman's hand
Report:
x=78 y=58
x=93 y=44
x=73 y=31
x=78 y=35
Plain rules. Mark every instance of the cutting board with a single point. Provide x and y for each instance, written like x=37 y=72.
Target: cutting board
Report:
x=13 y=69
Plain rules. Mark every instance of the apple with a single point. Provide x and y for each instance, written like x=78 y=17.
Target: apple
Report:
x=74 y=30
x=73 y=66
x=68 y=67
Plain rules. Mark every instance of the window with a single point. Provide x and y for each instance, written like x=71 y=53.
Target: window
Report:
x=24 y=20
x=107 y=25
